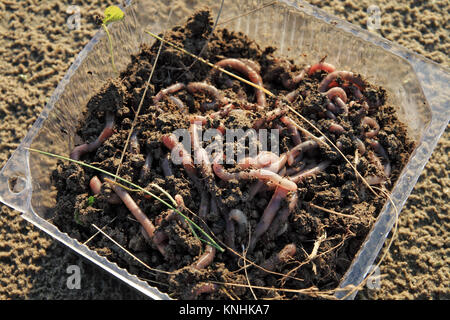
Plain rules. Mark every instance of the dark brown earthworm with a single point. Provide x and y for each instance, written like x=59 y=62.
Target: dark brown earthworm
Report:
x=321 y=66
x=268 y=215
x=254 y=189
x=206 y=258
x=291 y=96
x=96 y=186
x=282 y=257
x=249 y=72
x=219 y=99
x=330 y=80
x=373 y=124
x=107 y=132
x=169 y=90
x=310 y=172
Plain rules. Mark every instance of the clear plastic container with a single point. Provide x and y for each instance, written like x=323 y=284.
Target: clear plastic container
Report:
x=419 y=87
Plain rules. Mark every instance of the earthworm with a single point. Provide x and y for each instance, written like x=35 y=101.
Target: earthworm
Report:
x=206 y=258
x=254 y=189
x=203 y=208
x=200 y=154
x=282 y=216
x=134 y=146
x=107 y=132
x=177 y=101
x=165 y=166
x=360 y=145
x=321 y=66
x=140 y=216
x=223 y=112
x=372 y=123
x=147 y=165
x=336 y=128
x=171 y=142
x=380 y=150
x=348 y=76
x=291 y=96
x=204 y=287
x=339 y=96
x=219 y=99
x=96 y=186
x=249 y=72
x=240 y=218
x=299 y=149
x=270 y=116
x=310 y=172
x=268 y=215
x=290 y=83
x=290 y=124
x=286 y=254
x=263 y=159
x=169 y=90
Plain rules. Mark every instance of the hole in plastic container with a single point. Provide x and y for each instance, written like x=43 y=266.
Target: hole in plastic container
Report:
x=17 y=183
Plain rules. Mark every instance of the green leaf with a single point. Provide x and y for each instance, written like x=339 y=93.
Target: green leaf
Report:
x=112 y=13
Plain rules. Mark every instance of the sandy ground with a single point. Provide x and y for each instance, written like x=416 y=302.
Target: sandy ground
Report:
x=37 y=47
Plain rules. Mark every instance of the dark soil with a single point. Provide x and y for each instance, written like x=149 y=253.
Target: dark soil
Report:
x=337 y=188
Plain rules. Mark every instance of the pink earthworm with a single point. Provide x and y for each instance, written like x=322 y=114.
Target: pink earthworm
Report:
x=300 y=149
x=291 y=83
x=223 y=112
x=177 y=101
x=263 y=159
x=310 y=172
x=286 y=254
x=140 y=216
x=134 y=146
x=240 y=218
x=204 y=287
x=290 y=124
x=339 y=97
x=294 y=170
x=147 y=165
x=200 y=154
x=96 y=186
x=382 y=152
x=171 y=142
x=206 y=258
x=252 y=64
x=219 y=99
x=249 y=72
x=169 y=90
x=268 y=215
x=373 y=124
x=261 y=174
x=291 y=96
x=270 y=116
x=321 y=66
x=330 y=80
x=336 y=128
x=107 y=132
x=360 y=146
x=282 y=216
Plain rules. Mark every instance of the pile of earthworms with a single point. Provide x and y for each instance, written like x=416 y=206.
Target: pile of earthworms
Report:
x=267 y=171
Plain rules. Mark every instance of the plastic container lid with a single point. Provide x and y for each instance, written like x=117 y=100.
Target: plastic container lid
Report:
x=418 y=86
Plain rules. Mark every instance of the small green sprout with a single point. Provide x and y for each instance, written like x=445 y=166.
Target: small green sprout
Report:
x=90 y=201
x=111 y=14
